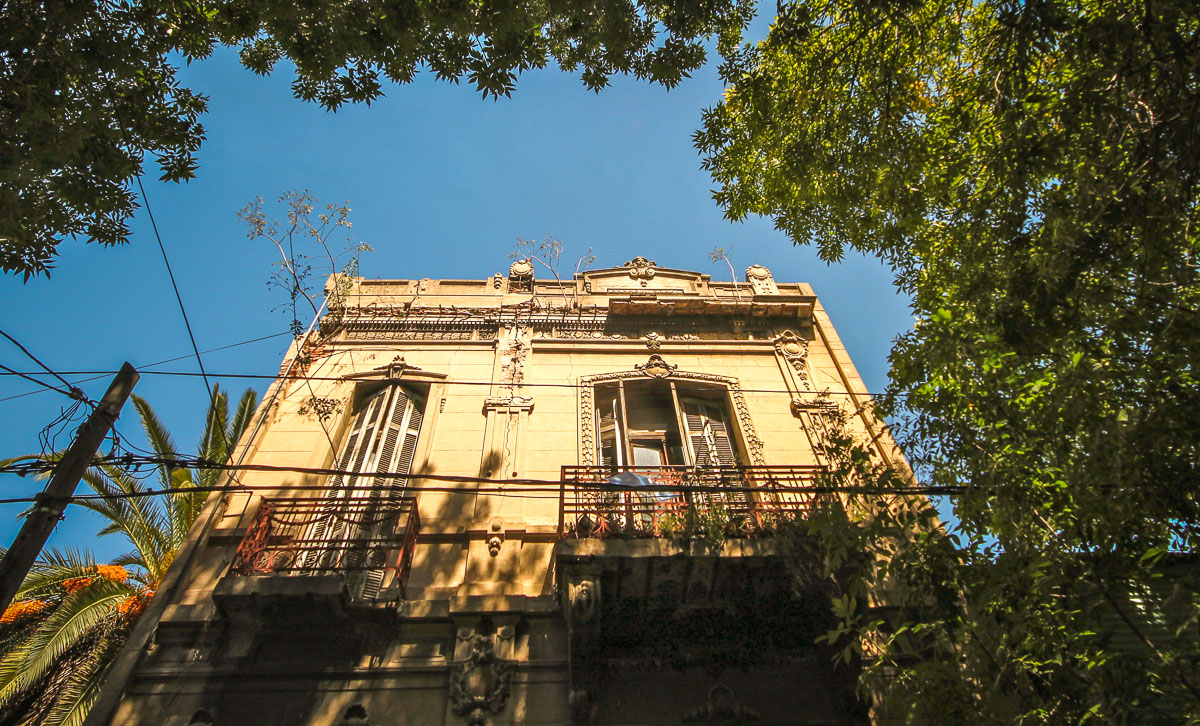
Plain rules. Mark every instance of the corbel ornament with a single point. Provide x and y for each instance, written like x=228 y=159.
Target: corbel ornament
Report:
x=653 y=340
x=481 y=684
x=583 y=598
x=587 y=411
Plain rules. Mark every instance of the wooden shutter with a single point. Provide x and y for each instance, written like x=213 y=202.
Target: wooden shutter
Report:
x=398 y=440
x=708 y=433
x=382 y=438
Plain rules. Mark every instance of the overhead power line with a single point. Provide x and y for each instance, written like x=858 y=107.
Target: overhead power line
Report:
x=46 y=386
x=525 y=486
x=141 y=368
x=71 y=391
x=447 y=382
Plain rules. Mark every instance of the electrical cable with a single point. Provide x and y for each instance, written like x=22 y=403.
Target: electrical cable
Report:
x=451 y=382
x=75 y=393
x=30 y=377
x=142 y=368
x=178 y=298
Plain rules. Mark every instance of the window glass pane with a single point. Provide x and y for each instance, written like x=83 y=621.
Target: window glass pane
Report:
x=647 y=453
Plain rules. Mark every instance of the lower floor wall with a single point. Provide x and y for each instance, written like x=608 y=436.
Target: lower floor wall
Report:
x=469 y=669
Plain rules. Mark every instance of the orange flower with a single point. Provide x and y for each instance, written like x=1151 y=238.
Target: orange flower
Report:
x=18 y=610
x=75 y=584
x=116 y=573
x=132 y=606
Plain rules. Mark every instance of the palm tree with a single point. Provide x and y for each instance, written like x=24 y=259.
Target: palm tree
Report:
x=72 y=615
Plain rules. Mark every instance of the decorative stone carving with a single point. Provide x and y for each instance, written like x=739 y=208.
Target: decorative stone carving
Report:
x=495 y=537
x=653 y=340
x=396 y=368
x=514 y=352
x=583 y=598
x=497 y=281
x=481 y=684
x=794 y=350
x=722 y=710
x=655 y=367
x=521 y=269
x=508 y=404
x=641 y=269
x=761 y=280
x=202 y=717
x=355 y=715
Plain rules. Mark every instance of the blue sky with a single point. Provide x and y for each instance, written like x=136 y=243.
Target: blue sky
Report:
x=441 y=183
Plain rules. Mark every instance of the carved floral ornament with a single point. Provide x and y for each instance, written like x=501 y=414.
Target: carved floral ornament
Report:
x=480 y=685
x=655 y=367
x=794 y=350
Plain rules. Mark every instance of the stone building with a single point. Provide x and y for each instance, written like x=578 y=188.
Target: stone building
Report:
x=515 y=501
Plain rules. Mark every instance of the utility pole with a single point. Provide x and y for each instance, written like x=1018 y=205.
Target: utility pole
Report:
x=49 y=505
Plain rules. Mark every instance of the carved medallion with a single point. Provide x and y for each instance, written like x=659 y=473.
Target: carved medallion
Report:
x=722 y=710
x=655 y=367
x=641 y=269
x=521 y=269
x=480 y=685
x=653 y=340
x=794 y=350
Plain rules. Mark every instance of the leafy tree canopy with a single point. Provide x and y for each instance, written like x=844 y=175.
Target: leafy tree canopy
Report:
x=88 y=88
x=1029 y=170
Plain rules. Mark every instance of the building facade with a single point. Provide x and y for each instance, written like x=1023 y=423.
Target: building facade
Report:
x=516 y=500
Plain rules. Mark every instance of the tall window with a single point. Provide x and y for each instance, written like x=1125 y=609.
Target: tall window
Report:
x=664 y=423
x=360 y=513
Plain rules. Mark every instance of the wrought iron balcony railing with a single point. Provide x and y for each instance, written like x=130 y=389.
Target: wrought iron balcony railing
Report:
x=369 y=540
x=671 y=501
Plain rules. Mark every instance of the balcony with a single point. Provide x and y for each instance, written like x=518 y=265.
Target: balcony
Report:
x=359 y=549
x=681 y=501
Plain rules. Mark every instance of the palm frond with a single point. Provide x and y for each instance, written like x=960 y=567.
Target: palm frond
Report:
x=242 y=416
x=213 y=442
x=52 y=569
x=156 y=432
x=160 y=439
x=77 y=692
x=139 y=518
x=71 y=621
x=129 y=559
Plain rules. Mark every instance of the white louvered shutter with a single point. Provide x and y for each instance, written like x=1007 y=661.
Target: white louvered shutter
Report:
x=382 y=438
x=398 y=445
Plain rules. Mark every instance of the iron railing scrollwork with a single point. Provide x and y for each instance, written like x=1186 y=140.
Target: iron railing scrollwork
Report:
x=371 y=541
x=670 y=501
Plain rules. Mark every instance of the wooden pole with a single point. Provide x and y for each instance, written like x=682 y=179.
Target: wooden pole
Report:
x=49 y=505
